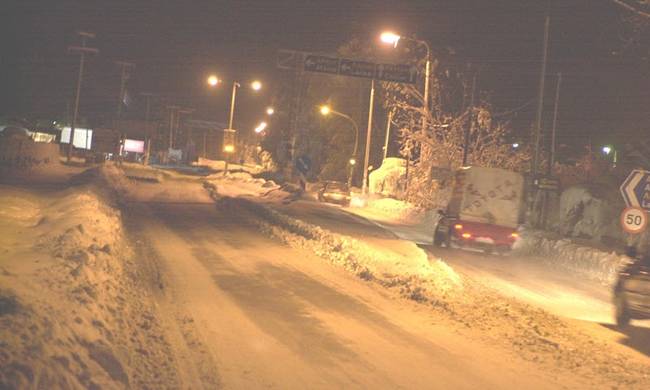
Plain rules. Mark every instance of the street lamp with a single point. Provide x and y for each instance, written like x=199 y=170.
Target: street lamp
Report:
x=391 y=38
x=213 y=81
x=270 y=111
x=325 y=110
x=260 y=128
x=607 y=149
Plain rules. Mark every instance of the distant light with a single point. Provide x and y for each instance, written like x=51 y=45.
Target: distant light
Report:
x=259 y=149
x=256 y=85
x=270 y=111
x=213 y=80
x=325 y=110
x=515 y=145
x=458 y=226
x=607 y=149
x=466 y=235
x=353 y=161
x=260 y=128
x=229 y=148
x=390 y=38
x=54 y=122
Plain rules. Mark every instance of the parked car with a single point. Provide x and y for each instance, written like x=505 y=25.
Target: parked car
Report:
x=335 y=192
x=632 y=291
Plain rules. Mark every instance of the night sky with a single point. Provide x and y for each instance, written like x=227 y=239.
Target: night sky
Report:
x=606 y=85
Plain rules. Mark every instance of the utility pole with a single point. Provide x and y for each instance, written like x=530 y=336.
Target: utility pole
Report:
x=147 y=112
x=540 y=97
x=469 y=129
x=388 y=123
x=82 y=50
x=538 y=129
x=364 y=188
x=551 y=160
x=126 y=68
x=172 y=121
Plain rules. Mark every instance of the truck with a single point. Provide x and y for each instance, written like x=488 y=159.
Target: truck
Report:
x=486 y=207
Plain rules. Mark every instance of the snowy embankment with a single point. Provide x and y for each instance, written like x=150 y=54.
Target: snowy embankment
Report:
x=595 y=264
x=535 y=334
x=75 y=309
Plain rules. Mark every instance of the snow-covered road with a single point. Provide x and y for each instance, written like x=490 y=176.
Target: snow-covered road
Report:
x=524 y=278
x=248 y=312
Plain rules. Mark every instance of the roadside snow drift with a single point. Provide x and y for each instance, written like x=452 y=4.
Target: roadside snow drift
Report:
x=73 y=309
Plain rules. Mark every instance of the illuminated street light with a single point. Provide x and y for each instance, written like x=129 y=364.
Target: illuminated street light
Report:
x=607 y=149
x=260 y=128
x=270 y=111
x=390 y=38
x=213 y=80
x=515 y=145
x=326 y=110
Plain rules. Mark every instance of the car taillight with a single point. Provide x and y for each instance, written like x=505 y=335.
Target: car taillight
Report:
x=514 y=235
x=466 y=235
x=458 y=226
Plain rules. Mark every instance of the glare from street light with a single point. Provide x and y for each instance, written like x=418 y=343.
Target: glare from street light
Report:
x=260 y=128
x=389 y=38
x=270 y=111
x=256 y=85
x=325 y=110
x=229 y=148
x=213 y=80
x=353 y=161
x=607 y=149
x=515 y=145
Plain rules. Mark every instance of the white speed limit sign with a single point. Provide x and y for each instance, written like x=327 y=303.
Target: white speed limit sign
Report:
x=634 y=220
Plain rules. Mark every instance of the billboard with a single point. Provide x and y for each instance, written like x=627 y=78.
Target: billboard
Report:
x=133 y=145
x=83 y=138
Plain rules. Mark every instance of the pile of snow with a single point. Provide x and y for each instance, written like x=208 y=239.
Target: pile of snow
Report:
x=595 y=264
x=73 y=309
x=390 y=209
x=591 y=213
x=389 y=178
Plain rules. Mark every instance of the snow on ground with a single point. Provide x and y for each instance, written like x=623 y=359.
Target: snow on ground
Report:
x=74 y=311
x=595 y=264
x=532 y=332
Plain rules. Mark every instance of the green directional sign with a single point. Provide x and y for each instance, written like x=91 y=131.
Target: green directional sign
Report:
x=399 y=73
x=322 y=64
x=358 y=69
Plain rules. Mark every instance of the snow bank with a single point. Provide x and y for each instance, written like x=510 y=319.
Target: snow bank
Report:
x=585 y=261
x=74 y=312
x=389 y=178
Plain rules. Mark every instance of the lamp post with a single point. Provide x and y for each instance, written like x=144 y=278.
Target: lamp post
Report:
x=326 y=110
x=229 y=148
x=392 y=39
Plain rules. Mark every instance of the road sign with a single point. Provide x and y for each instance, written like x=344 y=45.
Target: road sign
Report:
x=358 y=68
x=547 y=184
x=634 y=220
x=636 y=189
x=400 y=73
x=397 y=72
x=322 y=64
x=303 y=164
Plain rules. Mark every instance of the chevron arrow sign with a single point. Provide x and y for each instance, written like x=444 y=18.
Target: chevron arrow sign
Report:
x=636 y=189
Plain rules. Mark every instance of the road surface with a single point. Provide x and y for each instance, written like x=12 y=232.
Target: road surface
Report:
x=247 y=312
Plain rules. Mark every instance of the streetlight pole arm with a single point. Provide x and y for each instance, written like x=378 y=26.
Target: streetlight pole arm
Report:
x=356 y=129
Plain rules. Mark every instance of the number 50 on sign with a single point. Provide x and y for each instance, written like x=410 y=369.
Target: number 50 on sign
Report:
x=634 y=220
